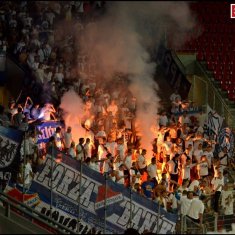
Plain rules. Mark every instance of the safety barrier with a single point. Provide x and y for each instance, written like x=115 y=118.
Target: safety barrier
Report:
x=34 y=216
x=212 y=222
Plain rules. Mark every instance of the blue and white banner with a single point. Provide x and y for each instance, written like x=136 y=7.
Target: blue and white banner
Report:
x=10 y=140
x=214 y=121
x=65 y=199
x=226 y=139
x=47 y=129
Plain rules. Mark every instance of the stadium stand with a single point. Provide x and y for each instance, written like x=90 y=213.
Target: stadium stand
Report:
x=30 y=40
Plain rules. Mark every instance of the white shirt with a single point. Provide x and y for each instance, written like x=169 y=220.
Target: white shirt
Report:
x=106 y=166
x=141 y=161
x=80 y=152
x=174 y=95
x=45 y=114
x=128 y=161
x=121 y=150
x=185 y=204
x=188 y=142
x=120 y=174
x=101 y=134
x=198 y=153
x=217 y=170
x=174 y=201
x=197 y=207
x=216 y=182
x=40 y=75
x=194 y=183
x=95 y=166
x=72 y=152
x=112 y=147
x=59 y=77
x=25 y=147
x=183 y=158
x=171 y=167
x=88 y=149
x=168 y=145
x=184 y=120
x=209 y=156
x=28 y=170
x=152 y=170
x=186 y=171
x=203 y=168
x=133 y=173
x=67 y=139
x=116 y=165
x=101 y=152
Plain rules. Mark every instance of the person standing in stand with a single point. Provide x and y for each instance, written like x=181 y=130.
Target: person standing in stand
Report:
x=196 y=210
x=134 y=175
x=141 y=162
x=80 y=150
x=152 y=170
x=58 y=138
x=217 y=183
x=120 y=176
x=227 y=205
x=173 y=170
x=88 y=147
x=68 y=138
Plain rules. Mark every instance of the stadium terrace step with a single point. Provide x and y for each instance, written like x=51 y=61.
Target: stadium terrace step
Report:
x=16 y=224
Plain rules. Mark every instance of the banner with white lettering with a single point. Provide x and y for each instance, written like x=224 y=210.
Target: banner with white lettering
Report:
x=65 y=201
x=226 y=139
x=47 y=129
x=214 y=121
x=10 y=140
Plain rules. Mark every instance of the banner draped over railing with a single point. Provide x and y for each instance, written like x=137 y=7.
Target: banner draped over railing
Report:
x=65 y=200
x=10 y=140
x=214 y=121
x=47 y=129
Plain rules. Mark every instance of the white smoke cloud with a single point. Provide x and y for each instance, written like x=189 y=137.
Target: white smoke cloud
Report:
x=121 y=41
x=73 y=108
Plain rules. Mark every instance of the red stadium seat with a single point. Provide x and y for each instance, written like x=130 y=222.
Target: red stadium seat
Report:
x=200 y=56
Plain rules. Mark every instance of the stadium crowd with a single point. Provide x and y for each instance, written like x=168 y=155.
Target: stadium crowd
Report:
x=185 y=174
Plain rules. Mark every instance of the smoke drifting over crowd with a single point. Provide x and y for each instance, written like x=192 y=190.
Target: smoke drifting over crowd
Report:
x=72 y=105
x=122 y=41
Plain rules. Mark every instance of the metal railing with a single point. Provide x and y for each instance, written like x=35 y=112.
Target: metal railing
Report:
x=212 y=222
x=188 y=226
x=52 y=226
x=216 y=100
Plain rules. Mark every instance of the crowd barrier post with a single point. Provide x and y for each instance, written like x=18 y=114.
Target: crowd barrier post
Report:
x=216 y=223
x=158 y=217
x=182 y=224
x=130 y=207
x=51 y=188
x=105 y=203
x=24 y=164
x=204 y=230
x=79 y=197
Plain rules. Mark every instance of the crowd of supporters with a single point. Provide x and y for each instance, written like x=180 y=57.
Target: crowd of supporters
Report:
x=183 y=172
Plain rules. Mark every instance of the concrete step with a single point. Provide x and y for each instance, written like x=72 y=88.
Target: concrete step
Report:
x=17 y=224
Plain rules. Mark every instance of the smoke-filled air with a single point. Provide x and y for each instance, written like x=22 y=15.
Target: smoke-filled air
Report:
x=123 y=40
